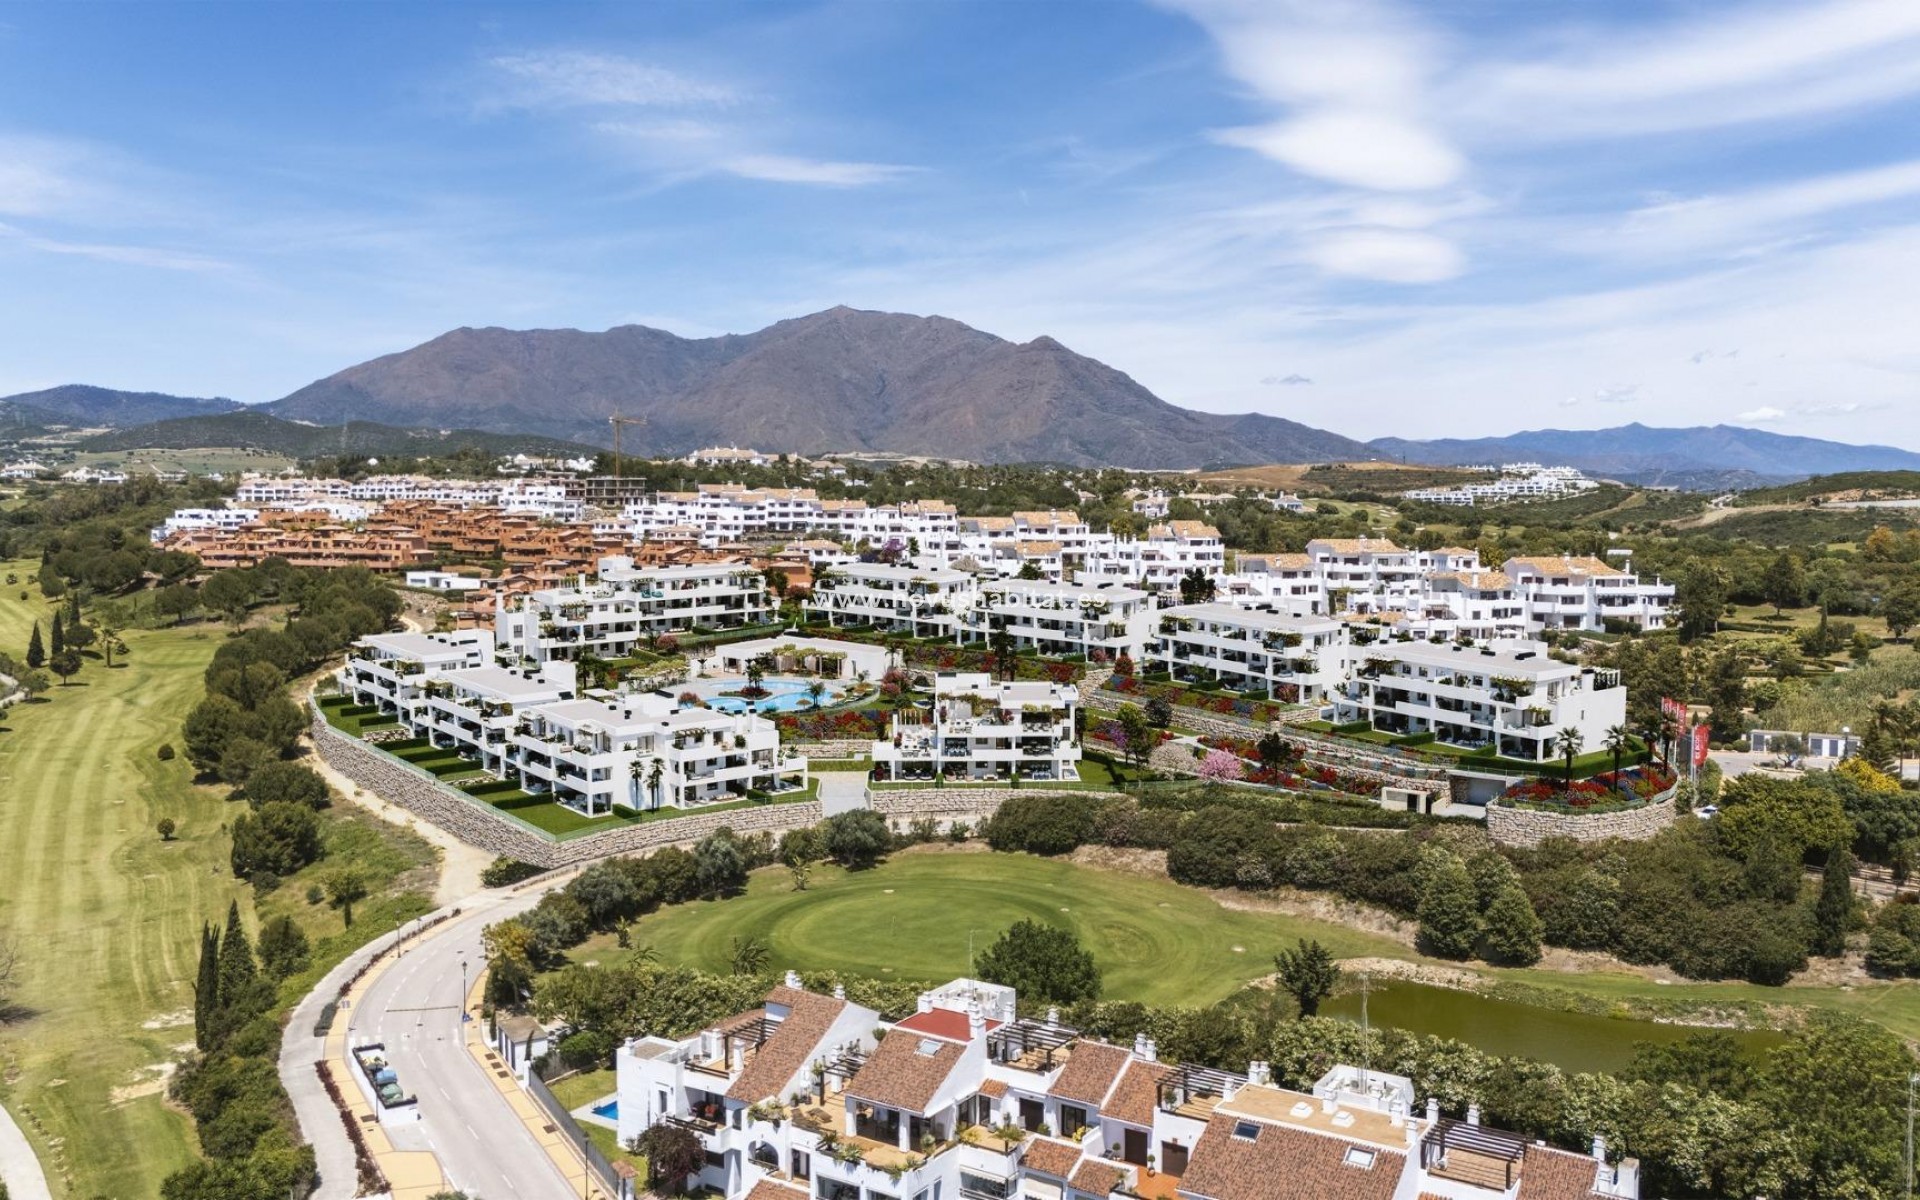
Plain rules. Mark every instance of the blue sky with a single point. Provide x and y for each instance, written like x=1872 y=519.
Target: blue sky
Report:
x=1421 y=219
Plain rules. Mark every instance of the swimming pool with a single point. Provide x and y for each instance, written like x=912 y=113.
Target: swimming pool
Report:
x=610 y=1109
x=785 y=693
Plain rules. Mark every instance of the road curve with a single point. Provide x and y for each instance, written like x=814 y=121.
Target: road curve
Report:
x=413 y=1006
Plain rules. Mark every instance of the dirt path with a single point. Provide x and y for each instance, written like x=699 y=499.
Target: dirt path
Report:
x=460 y=864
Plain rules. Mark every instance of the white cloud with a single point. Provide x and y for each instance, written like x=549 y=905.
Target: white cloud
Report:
x=1352 y=146
x=575 y=78
x=135 y=256
x=1391 y=256
x=1767 y=216
x=1766 y=413
x=786 y=168
x=1620 y=393
x=1731 y=65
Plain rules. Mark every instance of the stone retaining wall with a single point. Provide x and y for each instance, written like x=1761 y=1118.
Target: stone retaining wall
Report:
x=478 y=824
x=838 y=748
x=955 y=804
x=1530 y=827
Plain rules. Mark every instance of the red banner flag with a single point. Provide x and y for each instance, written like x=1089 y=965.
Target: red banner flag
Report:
x=1699 y=746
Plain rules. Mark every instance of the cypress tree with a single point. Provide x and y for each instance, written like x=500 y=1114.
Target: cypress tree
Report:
x=1833 y=912
x=36 y=649
x=206 y=988
x=59 y=635
x=1449 y=911
x=73 y=607
x=236 y=958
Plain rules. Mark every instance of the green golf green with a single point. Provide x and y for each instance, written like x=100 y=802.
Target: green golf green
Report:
x=915 y=916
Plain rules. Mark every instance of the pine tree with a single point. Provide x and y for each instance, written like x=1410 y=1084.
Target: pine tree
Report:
x=236 y=958
x=206 y=988
x=59 y=635
x=1449 y=911
x=1833 y=912
x=36 y=649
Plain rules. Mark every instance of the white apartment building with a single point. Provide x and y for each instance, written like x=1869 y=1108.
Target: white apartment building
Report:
x=1511 y=696
x=1584 y=593
x=803 y=1097
x=1296 y=659
x=391 y=669
x=983 y=728
x=646 y=752
x=626 y=605
x=1062 y=619
x=921 y=601
x=1157 y=561
x=183 y=519
x=1366 y=575
x=443 y=581
x=1515 y=481
x=532 y=727
x=1286 y=583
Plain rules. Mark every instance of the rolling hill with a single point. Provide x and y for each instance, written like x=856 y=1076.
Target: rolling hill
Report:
x=80 y=404
x=843 y=379
x=255 y=430
x=1734 y=455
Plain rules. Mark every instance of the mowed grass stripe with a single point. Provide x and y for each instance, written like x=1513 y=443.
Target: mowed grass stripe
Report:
x=107 y=916
x=911 y=918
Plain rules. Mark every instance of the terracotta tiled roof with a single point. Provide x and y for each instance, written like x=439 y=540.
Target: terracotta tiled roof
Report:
x=768 y=1189
x=1274 y=562
x=1050 y=1157
x=1358 y=545
x=993 y=1088
x=1562 y=566
x=1287 y=1164
x=905 y=1071
x=1097 y=1178
x=782 y=1055
x=1548 y=1174
x=1090 y=1073
x=1136 y=1094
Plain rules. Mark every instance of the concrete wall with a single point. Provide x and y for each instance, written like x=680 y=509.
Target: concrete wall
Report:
x=479 y=824
x=1530 y=827
x=951 y=804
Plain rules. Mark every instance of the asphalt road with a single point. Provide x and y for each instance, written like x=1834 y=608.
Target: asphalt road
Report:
x=414 y=1008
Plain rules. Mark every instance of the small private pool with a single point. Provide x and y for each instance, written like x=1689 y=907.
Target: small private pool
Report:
x=608 y=1109
x=785 y=693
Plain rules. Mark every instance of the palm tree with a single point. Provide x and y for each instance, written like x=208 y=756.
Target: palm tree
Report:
x=1619 y=741
x=633 y=773
x=1569 y=743
x=653 y=781
x=815 y=690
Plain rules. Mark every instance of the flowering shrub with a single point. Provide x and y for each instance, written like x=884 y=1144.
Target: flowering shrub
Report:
x=1220 y=765
x=1627 y=787
x=832 y=726
x=1300 y=777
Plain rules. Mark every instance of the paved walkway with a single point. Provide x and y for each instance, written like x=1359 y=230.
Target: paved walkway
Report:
x=18 y=1167
x=842 y=791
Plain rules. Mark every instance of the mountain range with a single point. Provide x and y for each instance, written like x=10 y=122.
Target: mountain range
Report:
x=853 y=380
x=843 y=379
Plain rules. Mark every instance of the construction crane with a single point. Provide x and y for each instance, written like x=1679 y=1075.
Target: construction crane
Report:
x=616 y=420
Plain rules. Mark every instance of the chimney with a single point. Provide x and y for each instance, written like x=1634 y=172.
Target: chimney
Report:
x=1140 y=1046
x=1473 y=1114
x=976 y=1021
x=924 y=1002
x=1053 y=1018
x=793 y=981
x=1433 y=1110
x=736 y=1058
x=1600 y=1149
x=839 y=991
x=1257 y=1073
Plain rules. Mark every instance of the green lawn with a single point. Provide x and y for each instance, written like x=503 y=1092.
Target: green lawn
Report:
x=107 y=917
x=910 y=918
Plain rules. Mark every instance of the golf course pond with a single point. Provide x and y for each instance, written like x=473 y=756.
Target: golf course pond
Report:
x=1571 y=1040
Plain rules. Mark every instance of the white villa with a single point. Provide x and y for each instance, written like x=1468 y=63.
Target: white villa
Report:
x=813 y=1097
x=625 y=605
x=982 y=728
x=391 y=669
x=1511 y=696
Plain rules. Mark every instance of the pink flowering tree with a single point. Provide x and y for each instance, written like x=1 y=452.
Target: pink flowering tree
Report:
x=1221 y=765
